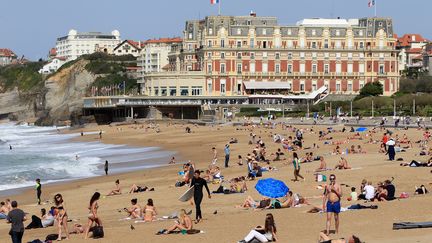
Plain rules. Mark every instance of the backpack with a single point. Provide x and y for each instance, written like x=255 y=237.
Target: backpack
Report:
x=98 y=232
x=51 y=237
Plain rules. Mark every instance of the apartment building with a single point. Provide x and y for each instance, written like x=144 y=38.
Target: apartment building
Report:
x=251 y=55
x=77 y=43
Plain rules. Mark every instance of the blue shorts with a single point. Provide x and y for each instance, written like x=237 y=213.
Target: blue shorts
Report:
x=333 y=207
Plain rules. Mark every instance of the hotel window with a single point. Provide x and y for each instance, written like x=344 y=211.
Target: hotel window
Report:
x=209 y=43
x=222 y=87
x=172 y=91
x=350 y=56
x=360 y=32
x=289 y=32
x=189 y=47
x=338 y=44
x=314 y=86
x=381 y=44
x=222 y=68
x=290 y=43
x=264 y=31
x=290 y=68
x=381 y=69
x=222 y=43
x=222 y=55
x=338 y=55
x=349 y=44
x=252 y=55
x=302 y=68
x=313 y=32
x=184 y=90
x=277 y=68
x=337 y=32
x=211 y=31
x=239 y=44
x=209 y=86
x=338 y=68
x=302 y=55
x=252 y=43
x=361 y=45
x=164 y=91
x=349 y=86
x=239 y=55
x=314 y=68
x=264 y=44
x=361 y=55
x=302 y=43
x=338 y=87
x=289 y=55
x=326 y=68
x=238 y=31
x=156 y=91
x=326 y=45
x=209 y=68
x=209 y=55
x=264 y=54
x=361 y=84
x=277 y=56
x=314 y=55
x=326 y=55
x=302 y=86
x=350 y=68
x=265 y=67
x=239 y=68
x=381 y=56
x=361 y=68
x=197 y=90
x=314 y=45
x=252 y=67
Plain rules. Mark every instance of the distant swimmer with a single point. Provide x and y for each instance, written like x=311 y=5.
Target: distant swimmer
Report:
x=10 y=147
x=77 y=157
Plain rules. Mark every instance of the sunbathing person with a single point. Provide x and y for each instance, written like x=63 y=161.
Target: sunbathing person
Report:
x=137 y=189
x=323 y=165
x=251 y=203
x=134 y=212
x=323 y=238
x=183 y=223
x=238 y=186
x=149 y=211
x=116 y=190
x=46 y=219
x=337 y=151
x=360 y=150
x=418 y=164
x=342 y=164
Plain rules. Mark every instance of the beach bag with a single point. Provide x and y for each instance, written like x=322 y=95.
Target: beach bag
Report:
x=51 y=237
x=321 y=178
x=98 y=232
x=193 y=231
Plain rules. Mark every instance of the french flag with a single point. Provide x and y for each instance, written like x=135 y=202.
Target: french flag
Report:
x=371 y=3
x=213 y=2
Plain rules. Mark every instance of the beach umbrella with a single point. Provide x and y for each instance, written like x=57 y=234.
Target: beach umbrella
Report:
x=361 y=129
x=271 y=188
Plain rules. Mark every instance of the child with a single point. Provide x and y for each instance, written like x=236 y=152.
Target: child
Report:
x=353 y=195
x=38 y=190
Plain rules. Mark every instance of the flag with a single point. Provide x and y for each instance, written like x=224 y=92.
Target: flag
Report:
x=214 y=2
x=371 y=3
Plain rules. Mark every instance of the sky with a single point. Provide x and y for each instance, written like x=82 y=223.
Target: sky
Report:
x=30 y=27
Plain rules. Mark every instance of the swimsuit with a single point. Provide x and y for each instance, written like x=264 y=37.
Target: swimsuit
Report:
x=333 y=207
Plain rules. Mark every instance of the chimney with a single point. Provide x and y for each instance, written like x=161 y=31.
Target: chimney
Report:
x=253 y=14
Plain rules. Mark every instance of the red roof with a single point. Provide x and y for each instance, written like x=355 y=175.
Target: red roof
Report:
x=165 y=40
x=7 y=53
x=53 y=52
x=407 y=39
x=136 y=44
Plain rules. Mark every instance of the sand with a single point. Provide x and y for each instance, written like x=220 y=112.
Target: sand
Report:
x=231 y=224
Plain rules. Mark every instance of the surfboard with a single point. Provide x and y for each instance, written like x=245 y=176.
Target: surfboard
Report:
x=187 y=195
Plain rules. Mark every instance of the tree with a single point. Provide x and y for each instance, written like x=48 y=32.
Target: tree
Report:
x=371 y=89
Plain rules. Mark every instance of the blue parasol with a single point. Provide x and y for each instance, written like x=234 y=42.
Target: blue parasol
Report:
x=271 y=188
x=361 y=129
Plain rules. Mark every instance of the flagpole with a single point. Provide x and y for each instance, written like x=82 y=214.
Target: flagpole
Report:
x=219 y=11
x=375 y=8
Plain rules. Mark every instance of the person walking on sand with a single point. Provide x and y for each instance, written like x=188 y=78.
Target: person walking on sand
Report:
x=106 y=167
x=227 y=155
x=198 y=183
x=214 y=160
x=296 y=163
x=331 y=203
x=100 y=134
x=16 y=218
x=38 y=190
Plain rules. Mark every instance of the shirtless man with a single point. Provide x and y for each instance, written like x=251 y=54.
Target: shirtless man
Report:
x=323 y=165
x=331 y=203
x=214 y=160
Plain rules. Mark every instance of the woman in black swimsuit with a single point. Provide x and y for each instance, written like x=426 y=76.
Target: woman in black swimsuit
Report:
x=61 y=216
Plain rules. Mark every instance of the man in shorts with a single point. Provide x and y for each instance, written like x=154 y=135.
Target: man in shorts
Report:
x=331 y=202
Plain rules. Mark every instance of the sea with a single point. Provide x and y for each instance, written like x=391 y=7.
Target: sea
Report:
x=30 y=152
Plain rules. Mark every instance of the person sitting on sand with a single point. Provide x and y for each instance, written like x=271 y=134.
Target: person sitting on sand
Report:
x=381 y=193
x=360 y=150
x=352 y=150
x=184 y=223
x=116 y=190
x=278 y=155
x=135 y=210
x=4 y=210
x=93 y=216
x=342 y=164
x=172 y=161
x=240 y=160
x=149 y=211
x=323 y=165
x=263 y=234
x=46 y=219
x=238 y=186
x=323 y=238
x=336 y=151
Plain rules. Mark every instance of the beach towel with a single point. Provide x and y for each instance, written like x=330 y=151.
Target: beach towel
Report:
x=411 y=225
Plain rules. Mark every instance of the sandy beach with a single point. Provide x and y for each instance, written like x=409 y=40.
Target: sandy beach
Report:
x=231 y=224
